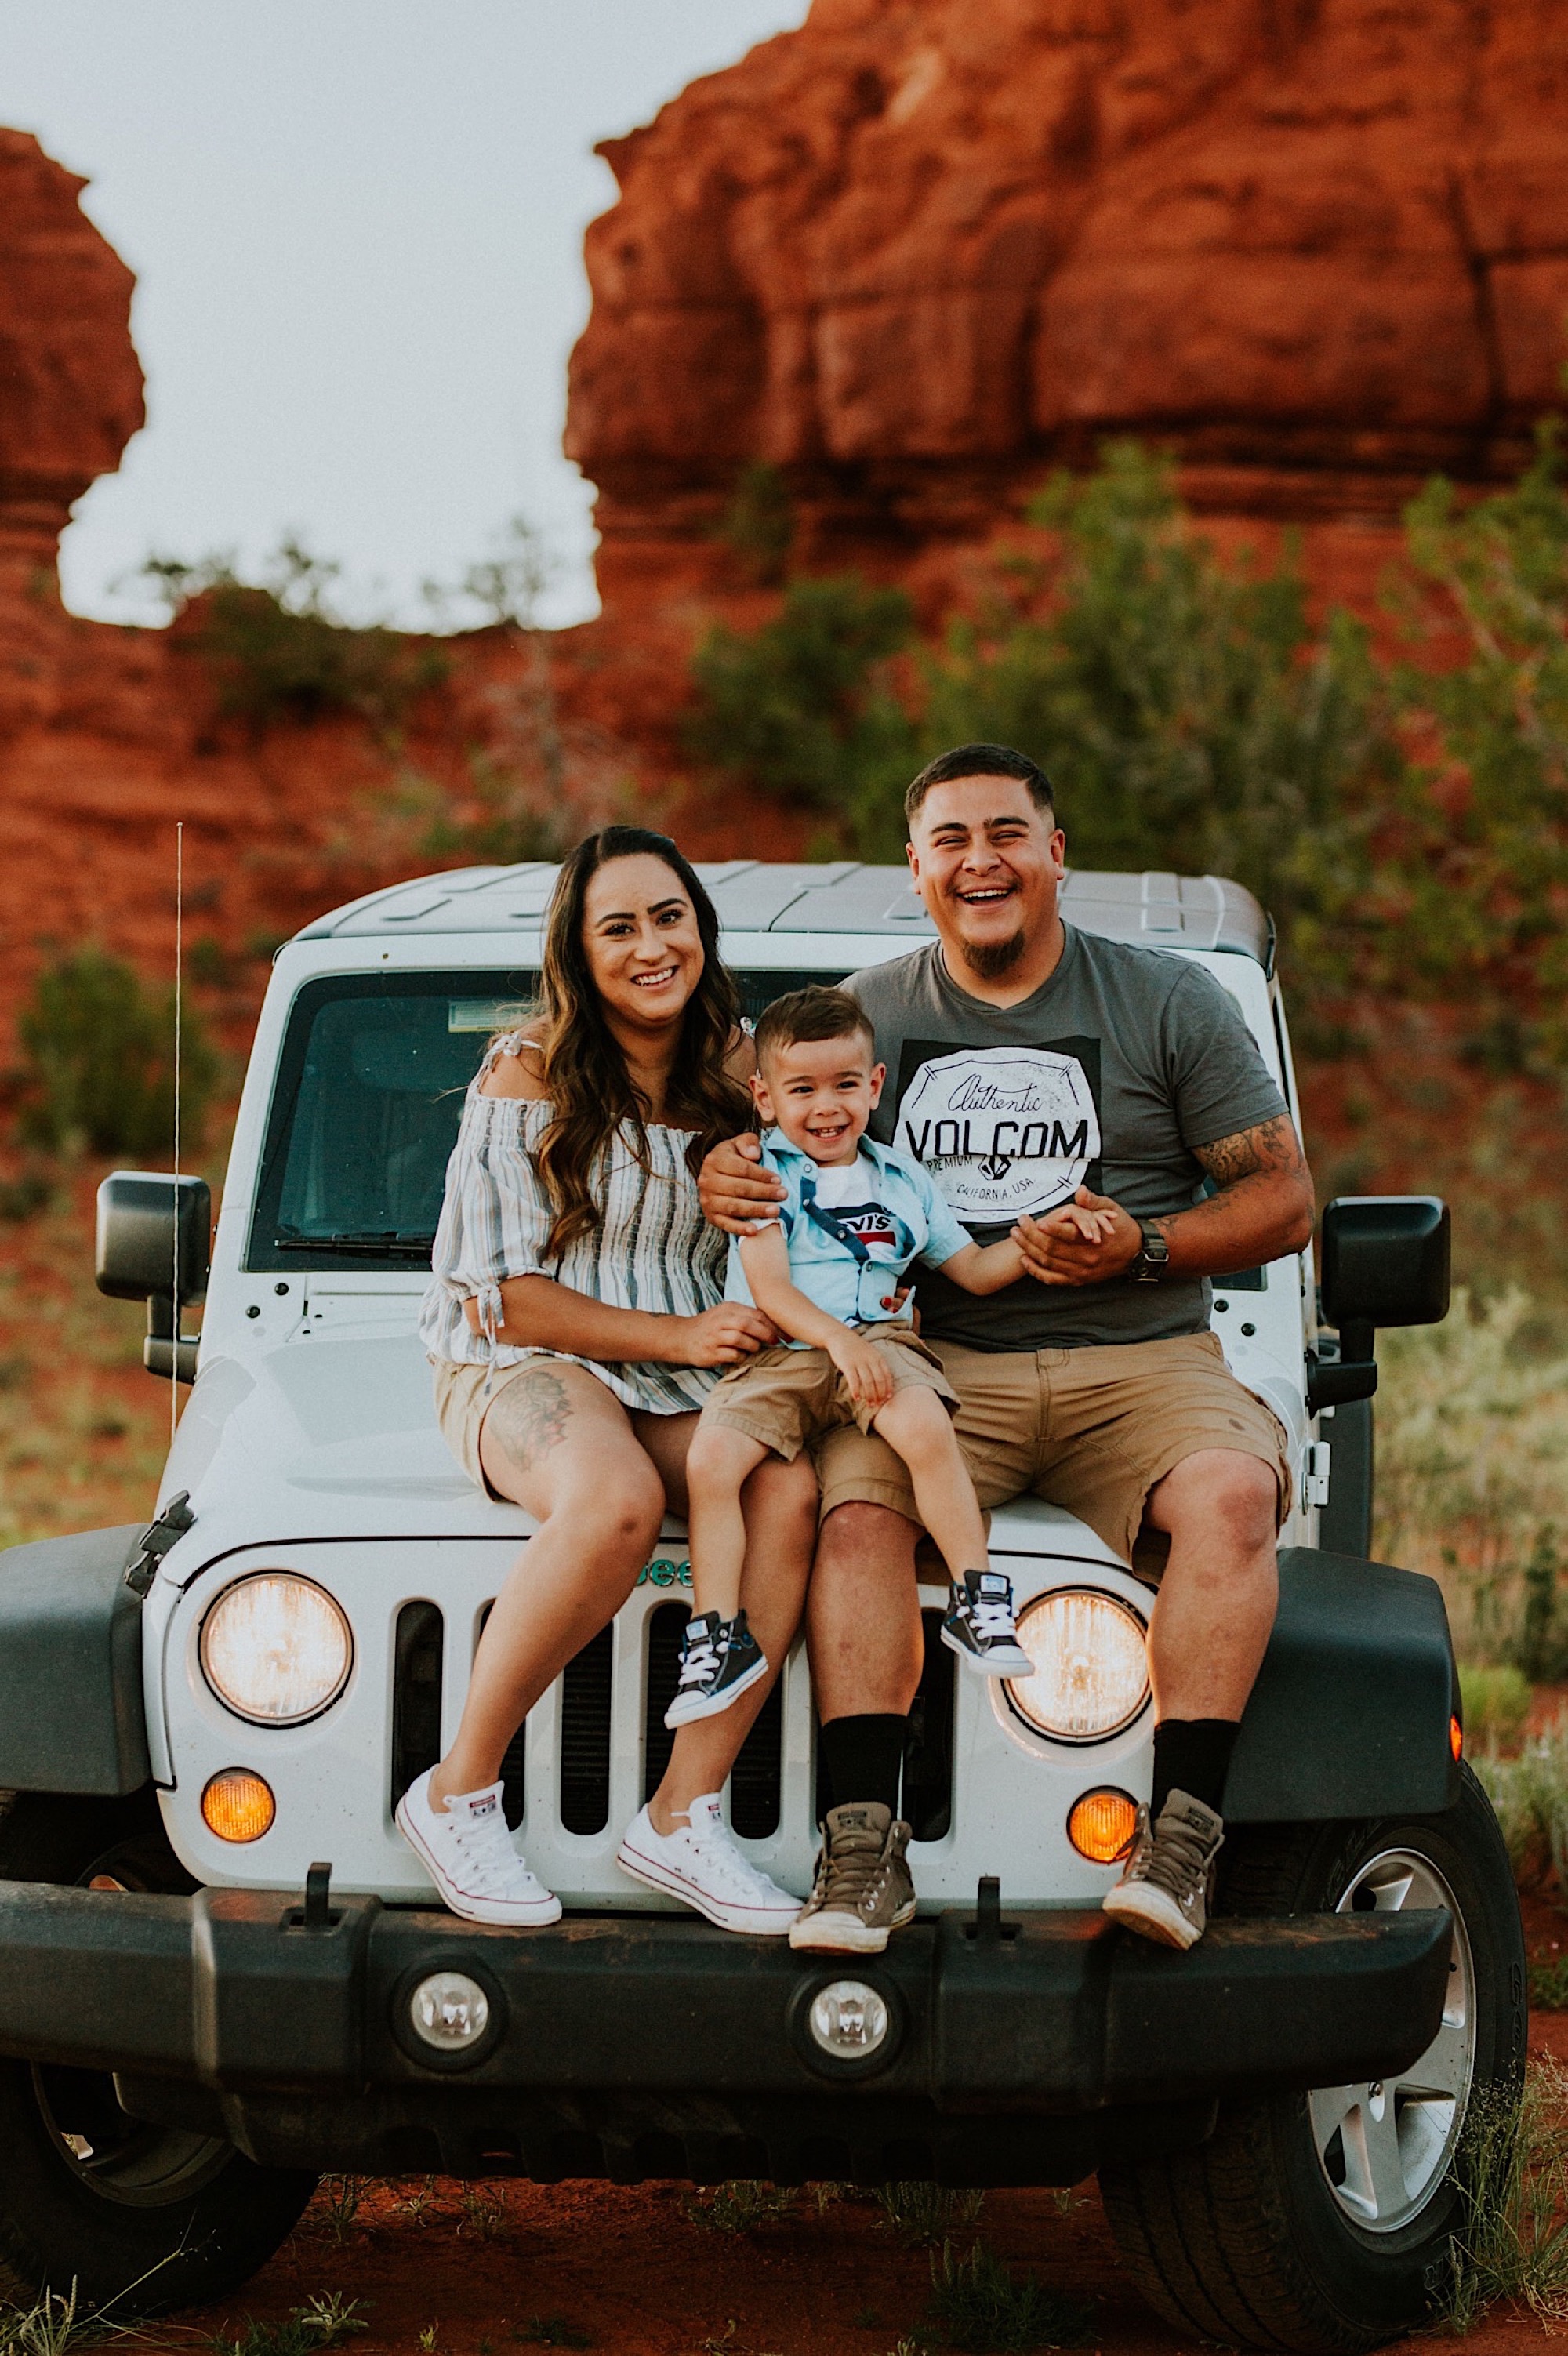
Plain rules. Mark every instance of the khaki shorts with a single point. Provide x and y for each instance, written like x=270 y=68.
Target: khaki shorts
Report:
x=1093 y=1431
x=784 y=1399
x=464 y=1397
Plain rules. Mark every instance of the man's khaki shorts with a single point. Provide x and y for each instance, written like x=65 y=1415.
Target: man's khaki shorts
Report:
x=1093 y=1431
x=784 y=1397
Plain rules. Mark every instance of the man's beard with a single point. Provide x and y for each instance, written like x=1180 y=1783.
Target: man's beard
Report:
x=993 y=961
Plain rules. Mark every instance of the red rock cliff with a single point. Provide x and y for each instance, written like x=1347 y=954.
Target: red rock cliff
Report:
x=919 y=250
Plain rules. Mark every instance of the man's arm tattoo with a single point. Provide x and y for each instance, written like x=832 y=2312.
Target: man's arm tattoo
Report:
x=529 y=1416
x=1271 y=1147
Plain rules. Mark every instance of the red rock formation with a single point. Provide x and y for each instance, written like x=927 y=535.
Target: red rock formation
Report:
x=918 y=250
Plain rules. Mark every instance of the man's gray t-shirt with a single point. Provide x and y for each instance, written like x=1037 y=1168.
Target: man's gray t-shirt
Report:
x=1119 y=1064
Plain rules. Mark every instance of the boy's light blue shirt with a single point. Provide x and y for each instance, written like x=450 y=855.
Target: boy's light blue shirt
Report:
x=902 y=1217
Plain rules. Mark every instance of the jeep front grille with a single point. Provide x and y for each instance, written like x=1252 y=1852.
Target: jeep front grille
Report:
x=587 y=1717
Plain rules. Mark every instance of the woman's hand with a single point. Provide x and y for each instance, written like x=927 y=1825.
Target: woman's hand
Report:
x=721 y=1336
x=736 y=1195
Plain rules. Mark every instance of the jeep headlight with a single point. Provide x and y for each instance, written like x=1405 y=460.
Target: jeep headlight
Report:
x=275 y=1648
x=1092 y=1667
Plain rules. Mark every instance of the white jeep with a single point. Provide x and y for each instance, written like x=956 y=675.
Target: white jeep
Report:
x=222 y=1972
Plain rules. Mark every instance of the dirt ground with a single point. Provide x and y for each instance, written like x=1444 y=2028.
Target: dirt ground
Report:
x=481 y=2270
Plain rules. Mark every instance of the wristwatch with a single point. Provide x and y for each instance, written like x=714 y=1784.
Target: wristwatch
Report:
x=1152 y=1259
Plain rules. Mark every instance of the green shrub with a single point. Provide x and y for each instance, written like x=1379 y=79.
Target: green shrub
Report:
x=757 y=525
x=324 y=2321
x=740 y=2206
x=1188 y=712
x=98 y=1061
x=1476 y=879
x=801 y=707
x=279 y=653
x=1530 y=1794
x=976 y=2303
x=1495 y=1703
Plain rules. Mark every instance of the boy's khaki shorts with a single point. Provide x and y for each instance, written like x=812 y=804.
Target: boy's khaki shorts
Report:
x=785 y=1397
x=1093 y=1431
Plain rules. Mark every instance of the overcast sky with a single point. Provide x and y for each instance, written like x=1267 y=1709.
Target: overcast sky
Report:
x=356 y=231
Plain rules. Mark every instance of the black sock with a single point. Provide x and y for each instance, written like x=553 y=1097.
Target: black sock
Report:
x=862 y=1757
x=1192 y=1754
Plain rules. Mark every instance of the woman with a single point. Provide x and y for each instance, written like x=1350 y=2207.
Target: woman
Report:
x=576 y=1324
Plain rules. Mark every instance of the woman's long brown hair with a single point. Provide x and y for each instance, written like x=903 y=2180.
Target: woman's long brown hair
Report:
x=585 y=1073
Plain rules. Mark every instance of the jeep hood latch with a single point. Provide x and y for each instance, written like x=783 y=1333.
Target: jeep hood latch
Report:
x=170 y=1527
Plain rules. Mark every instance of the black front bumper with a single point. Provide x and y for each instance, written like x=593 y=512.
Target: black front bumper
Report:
x=645 y=2045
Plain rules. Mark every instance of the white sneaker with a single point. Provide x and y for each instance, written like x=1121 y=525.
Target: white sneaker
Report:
x=700 y=1864
x=466 y=1850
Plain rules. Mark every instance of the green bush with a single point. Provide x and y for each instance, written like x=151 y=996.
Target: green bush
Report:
x=976 y=2303
x=279 y=653
x=802 y=707
x=1496 y=1704
x=98 y=1061
x=757 y=525
x=1477 y=875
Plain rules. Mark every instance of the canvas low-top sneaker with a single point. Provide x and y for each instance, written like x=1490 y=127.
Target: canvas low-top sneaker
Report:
x=700 y=1864
x=719 y=1660
x=862 y=1888
x=466 y=1850
x=1163 y=1891
x=979 y=1627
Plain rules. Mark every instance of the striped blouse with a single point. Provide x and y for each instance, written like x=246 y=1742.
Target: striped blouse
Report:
x=653 y=1250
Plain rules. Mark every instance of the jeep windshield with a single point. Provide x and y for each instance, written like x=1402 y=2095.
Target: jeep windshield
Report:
x=366 y=1106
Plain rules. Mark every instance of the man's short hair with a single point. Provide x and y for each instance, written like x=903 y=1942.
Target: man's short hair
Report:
x=980 y=761
x=802 y=1015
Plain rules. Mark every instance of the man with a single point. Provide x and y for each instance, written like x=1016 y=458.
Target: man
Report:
x=1032 y=1066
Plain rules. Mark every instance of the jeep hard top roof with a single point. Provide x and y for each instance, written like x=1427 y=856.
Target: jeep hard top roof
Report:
x=1199 y=912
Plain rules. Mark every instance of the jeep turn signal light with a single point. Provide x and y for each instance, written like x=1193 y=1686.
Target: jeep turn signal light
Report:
x=238 y=1805
x=1101 y=1825
x=1456 y=1736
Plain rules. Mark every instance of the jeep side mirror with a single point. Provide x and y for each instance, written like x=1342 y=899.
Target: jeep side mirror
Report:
x=155 y=1244
x=1385 y=1261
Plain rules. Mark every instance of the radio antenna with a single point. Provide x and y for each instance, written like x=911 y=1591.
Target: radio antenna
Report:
x=178 y=1012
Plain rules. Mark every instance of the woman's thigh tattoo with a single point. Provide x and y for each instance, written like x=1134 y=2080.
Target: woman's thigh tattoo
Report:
x=529 y=1418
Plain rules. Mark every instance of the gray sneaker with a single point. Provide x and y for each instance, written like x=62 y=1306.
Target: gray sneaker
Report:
x=863 y=1888
x=1163 y=1891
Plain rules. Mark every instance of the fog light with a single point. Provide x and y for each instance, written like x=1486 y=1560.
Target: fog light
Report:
x=238 y=1805
x=848 y=2021
x=449 y=2011
x=1101 y=1825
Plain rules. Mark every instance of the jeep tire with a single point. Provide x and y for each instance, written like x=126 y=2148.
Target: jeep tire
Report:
x=1322 y=2222
x=140 y=2218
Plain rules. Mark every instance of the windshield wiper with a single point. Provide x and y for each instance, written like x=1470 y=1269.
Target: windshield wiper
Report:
x=368 y=1243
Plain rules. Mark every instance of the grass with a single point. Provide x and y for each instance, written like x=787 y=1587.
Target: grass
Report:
x=977 y=2304
x=324 y=2321
x=740 y=2207
x=52 y=2325
x=1472 y=1480
x=1549 y=1985
x=1512 y=2245
x=552 y=2331
x=1495 y=1703
x=484 y=2212
x=919 y=2213
x=1530 y=1794
x=339 y=2205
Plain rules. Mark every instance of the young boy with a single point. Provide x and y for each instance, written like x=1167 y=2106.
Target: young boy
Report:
x=829 y=1273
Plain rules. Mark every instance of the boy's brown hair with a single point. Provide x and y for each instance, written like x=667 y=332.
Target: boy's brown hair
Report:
x=801 y=1016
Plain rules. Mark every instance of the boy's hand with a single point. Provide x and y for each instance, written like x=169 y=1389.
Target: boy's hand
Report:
x=867 y=1376
x=1085 y=1241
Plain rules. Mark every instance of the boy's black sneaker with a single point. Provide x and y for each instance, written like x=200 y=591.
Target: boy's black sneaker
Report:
x=979 y=1627
x=719 y=1660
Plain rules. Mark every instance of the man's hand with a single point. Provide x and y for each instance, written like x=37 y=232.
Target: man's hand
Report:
x=1086 y=1241
x=735 y=1193
x=723 y=1336
x=867 y=1376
